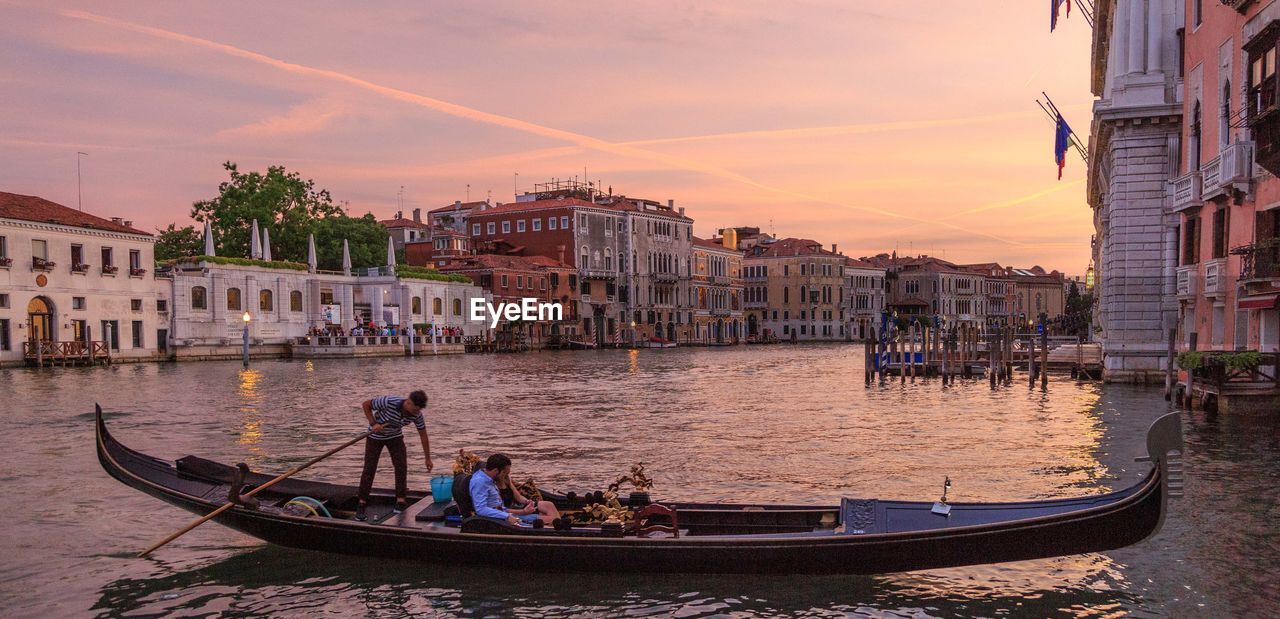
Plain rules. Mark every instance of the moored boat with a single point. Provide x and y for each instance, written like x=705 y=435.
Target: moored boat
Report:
x=862 y=536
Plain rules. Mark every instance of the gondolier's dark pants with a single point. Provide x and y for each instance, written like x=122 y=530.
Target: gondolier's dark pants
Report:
x=372 y=452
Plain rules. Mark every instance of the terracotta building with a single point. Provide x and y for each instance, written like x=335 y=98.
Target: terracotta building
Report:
x=511 y=279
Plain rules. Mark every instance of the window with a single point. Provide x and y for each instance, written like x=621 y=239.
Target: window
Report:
x=77 y=303
x=551 y=223
x=295 y=301
x=162 y=306
x=457 y=307
x=77 y=256
x=137 y=334
x=1191 y=241
x=543 y=282
x=582 y=222
x=264 y=301
x=4 y=300
x=437 y=306
x=564 y=222
x=475 y=229
x=4 y=334
x=519 y=282
x=520 y=226
x=135 y=259
x=135 y=305
x=622 y=226
x=490 y=228
x=107 y=258
x=608 y=226
x=326 y=297
x=537 y=225
x=4 y=247
x=1197 y=13
x=1220 y=233
x=416 y=304
x=504 y=280
x=586 y=259
x=40 y=249
x=506 y=227
x=234 y=302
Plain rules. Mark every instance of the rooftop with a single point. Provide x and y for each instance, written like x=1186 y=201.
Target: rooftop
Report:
x=789 y=247
x=33 y=208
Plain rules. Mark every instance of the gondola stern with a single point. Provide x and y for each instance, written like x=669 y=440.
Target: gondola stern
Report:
x=1165 y=452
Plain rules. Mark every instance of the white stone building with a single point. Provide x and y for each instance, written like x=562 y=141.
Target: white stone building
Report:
x=68 y=277
x=1133 y=154
x=864 y=299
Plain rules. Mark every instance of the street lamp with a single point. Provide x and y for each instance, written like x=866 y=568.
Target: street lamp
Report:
x=246 y=318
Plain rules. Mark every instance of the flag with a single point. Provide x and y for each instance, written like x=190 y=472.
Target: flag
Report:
x=1054 y=6
x=1061 y=141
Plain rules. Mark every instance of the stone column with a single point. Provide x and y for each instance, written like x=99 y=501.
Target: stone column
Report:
x=1137 y=34
x=1120 y=44
x=1155 y=24
x=375 y=304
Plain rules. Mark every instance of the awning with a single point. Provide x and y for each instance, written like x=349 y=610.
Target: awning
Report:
x=1261 y=301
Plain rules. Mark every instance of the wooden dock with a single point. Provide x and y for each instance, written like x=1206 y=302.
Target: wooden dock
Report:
x=63 y=354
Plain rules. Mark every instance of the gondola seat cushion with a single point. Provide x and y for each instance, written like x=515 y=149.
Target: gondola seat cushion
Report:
x=462 y=494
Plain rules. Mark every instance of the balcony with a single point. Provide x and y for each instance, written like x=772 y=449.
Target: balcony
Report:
x=720 y=311
x=1187 y=281
x=40 y=264
x=1239 y=5
x=1215 y=277
x=719 y=280
x=1230 y=171
x=1186 y=191
x=598 y=274
x=665 y=278
x=1259 y=261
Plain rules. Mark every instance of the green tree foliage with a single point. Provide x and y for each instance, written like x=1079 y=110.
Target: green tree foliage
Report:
x=174 y=242
x=290 y=208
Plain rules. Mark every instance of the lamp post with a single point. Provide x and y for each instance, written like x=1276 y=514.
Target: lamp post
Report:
x=246 y=318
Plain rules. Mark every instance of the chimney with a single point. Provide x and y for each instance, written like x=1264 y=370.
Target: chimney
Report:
x=117 y=220
x=671 y=204
x=417 y=215
x=128 y=224
x=457 y=204
x=833 y=249
x=399 y=214
x=682 y=211
x=560 y=250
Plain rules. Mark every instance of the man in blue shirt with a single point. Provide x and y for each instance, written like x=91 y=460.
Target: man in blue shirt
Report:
x=487 y=499
x=387 y=416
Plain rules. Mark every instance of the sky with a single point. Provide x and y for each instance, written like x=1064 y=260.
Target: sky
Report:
x=874 y=126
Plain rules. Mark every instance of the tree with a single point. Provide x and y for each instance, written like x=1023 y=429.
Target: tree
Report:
x=290 y=208
x=174 y=242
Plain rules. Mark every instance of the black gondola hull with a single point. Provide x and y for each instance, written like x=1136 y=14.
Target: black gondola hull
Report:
x=1102 y=524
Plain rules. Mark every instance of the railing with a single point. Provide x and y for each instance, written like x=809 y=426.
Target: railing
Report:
x=1210 y=175
x=720 y=311
x=598 y=274
x=55 y=352
x=1239 y=5
x=720 y=280
x=1260 y=260
x=349 y=340
x=40 y=264
x=1215 y=280
x=1237 y=163
x=665 y=278
x=1187 y=280
x=1216 y=372
x=1186 y=191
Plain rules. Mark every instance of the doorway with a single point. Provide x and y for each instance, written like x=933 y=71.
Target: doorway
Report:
x=40 y=320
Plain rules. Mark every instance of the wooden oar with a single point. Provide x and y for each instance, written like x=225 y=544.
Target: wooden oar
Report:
x=273 y=482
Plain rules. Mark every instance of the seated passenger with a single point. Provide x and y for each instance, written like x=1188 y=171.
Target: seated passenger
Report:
x=511 y=498
x=488 y=500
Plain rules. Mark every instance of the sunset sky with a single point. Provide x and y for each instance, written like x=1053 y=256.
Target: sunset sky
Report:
x=874 y=125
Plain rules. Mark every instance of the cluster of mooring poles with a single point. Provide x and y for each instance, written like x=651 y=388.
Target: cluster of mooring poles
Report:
x=961 y=351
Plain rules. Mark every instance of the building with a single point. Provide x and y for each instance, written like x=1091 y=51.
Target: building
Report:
x=212 y=297
x=454 y=216
x=68 y=278
x=437 y=247
x=1037 y=292
x=511 y=279
x=403 y=231
x=933 y=287
x=1001 y=293
x=864 y=300
x=1133 y=153
x=632 y=257
x=718 y=291
x=803 y=290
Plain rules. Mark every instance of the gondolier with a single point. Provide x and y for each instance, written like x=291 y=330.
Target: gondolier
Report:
x=387 y=416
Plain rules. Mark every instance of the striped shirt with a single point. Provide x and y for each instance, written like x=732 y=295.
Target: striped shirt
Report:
x=387 y=411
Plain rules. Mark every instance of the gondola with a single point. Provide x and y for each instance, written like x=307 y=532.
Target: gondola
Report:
x=859 y=536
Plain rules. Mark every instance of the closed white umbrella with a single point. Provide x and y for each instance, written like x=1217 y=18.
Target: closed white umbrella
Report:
x=311 y=253
x=391 y=252
x=346 y=258
x=255 y=245
x=208 y=240
x=266 y=244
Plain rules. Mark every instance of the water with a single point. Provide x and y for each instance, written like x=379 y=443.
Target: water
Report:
x=776 y=423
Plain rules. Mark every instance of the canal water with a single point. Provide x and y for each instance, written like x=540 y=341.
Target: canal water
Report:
x=773 y=423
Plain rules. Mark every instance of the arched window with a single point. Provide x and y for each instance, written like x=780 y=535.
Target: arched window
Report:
x=295 y=301
x=586 y=259
x=417 y=305
x=264 y=301
x=233 y=299
x=457 y=307
x=1193 y=153
x=1225 y=129
x=437 y=306
x=199 y=298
